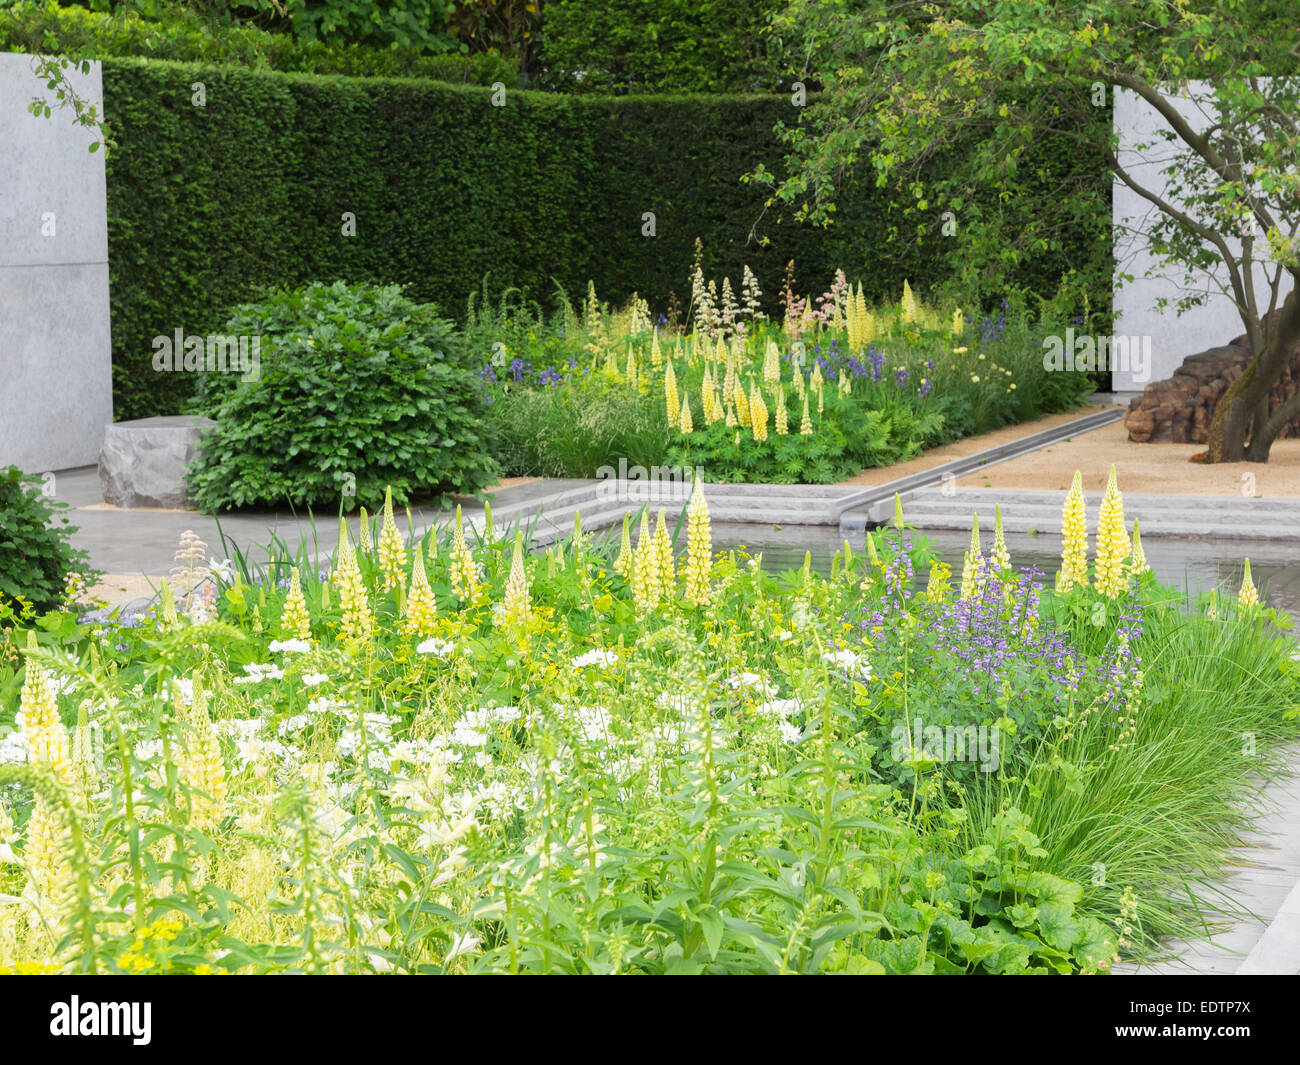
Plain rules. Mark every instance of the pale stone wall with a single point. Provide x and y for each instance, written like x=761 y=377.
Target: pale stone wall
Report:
x=1173 y=336
x=55 y=355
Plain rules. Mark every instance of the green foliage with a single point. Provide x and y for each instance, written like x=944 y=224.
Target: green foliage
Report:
x=662 y=46
x=206 y=204
x=35 y=556
x=179 y=33
x=359 y=388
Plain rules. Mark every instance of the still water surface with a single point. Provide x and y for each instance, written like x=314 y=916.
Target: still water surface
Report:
x=1191 y=566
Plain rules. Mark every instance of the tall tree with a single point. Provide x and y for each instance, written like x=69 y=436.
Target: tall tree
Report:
x=904 y=79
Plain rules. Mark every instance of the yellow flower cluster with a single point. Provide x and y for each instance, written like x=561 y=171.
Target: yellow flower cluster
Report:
x=1248 y=596
x=647 y=585
x=203 y=768
x=623 y=563
x=47 y=738
x=757 y=414
x=937 y=589
x=421 y=606
x=392 y=552
x=1074 y=537
x=782 y=425
x=517 y=606
x=1113 y=546
x=464 y=573
x=671 y=399
x=1001 y=556
x=358 y=622
x=699 y=548
x=294 y=619
x=970 y=569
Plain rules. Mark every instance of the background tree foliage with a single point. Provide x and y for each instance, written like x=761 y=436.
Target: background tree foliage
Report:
x=905 y=82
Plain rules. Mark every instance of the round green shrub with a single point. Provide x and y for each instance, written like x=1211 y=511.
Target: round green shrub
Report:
x=35 y=556
x=357 y=388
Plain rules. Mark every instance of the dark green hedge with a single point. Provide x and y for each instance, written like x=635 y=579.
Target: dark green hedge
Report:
x=663 y=45
x=207 y=204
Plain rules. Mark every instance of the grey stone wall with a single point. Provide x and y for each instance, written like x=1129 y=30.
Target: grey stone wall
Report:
x=55 y=356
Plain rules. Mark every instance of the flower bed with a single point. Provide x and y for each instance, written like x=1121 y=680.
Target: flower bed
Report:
x=629 y=755
x=835 y=388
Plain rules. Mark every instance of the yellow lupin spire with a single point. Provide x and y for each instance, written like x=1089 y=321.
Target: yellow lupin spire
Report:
x=294 y=618
x=623 y=563
x=671 y=399
x=1001 y=556
x=392 y=552
x=663 y=546
x=1248 y=596
x=364 y=544
x=630 y=374
x=46 y=736
x=518 y=608
x=958 y=322
x=656 y=355
x=699 y=548
x=1113 y=546
x=645 y=569
x=772 y=362
x=1074 y=538
x=463 y=571
x=421 y=605
x=687 y=426
x=757 y=413
x=358 y=623
x=970 y=569
x=805 y=423
x=203 y=767
x=782 y=425
x=743 y=413
x=1138 y=563
x=908 y=303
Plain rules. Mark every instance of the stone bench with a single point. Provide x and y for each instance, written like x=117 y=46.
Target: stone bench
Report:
x=142 y=462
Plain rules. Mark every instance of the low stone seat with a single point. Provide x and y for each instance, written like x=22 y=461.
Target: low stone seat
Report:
x=142 y=462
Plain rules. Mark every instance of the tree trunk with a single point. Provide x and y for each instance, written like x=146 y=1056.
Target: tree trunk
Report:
x=1284 y=339
x=1238 y=411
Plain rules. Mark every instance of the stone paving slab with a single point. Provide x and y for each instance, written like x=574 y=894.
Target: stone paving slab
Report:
x=1263 y=881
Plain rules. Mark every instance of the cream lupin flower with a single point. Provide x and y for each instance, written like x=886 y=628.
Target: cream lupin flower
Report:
x=645 y=569
x=1248 y=596
x=1138 y=563
x=421 y=605
x=518 y=608
x=294 y=619
x=47 y=739
x=699 y=547
x=664 y=552
x=358 y=623
x=971 y=561
x=623 y=563
x=782 y=425
x=805 y=423
x=687 y=426
x=1113 y=547
x=1001 y=556
x=1074 y=538
x=392 y=552
x=671 y=399
x=757 y=413
x=203 y=767
x=464 y=573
